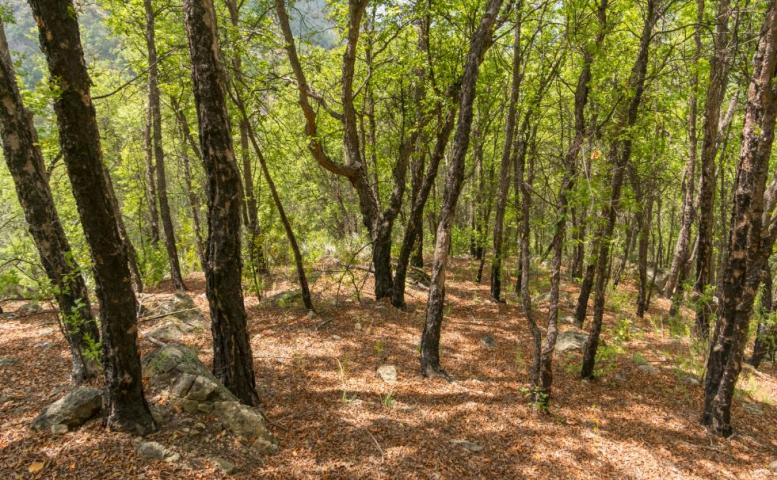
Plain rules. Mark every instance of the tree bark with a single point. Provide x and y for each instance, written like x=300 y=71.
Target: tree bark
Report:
x=715 y=92
x=765 y=335
x=60 y=41
x=151 y=196
x=430 y=339
x=232 y=359
x=25 y=163
x=621 y=153
x=155 y=113
x=750 y=237
x=504 y=167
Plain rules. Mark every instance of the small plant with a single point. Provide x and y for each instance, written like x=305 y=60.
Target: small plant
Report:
x=388 y=400
x=343 y=374
x=639 y=359
x=379 y=347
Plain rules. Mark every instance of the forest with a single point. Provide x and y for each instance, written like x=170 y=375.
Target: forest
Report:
x=441 y=239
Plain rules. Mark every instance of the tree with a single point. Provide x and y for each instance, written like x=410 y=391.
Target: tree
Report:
x=25 y=162
x=60 y=41
x=155 y=112
x=430 y=338
x=232 y=359
x=715 y=91
x=620 y=152
x=750 y=238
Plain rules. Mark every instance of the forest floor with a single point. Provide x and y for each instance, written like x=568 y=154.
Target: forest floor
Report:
x=334 y=417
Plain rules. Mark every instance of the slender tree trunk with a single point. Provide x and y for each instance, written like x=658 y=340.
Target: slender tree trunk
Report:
x=414 y=226
x=621 y=153
x=193 y=198
x=544 y=375
x=126 y=407
x=681 y=249
x=232 y=359
x=298 y=262
x=253 y=228
x=159 y=153
x=151 y=197
x=430 y=339
x=715 y=92
x=750 y=238
x=504 y=167
x=25 y=162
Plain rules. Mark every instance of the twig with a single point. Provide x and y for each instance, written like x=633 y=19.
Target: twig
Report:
x=382 y=455
x=161 y=315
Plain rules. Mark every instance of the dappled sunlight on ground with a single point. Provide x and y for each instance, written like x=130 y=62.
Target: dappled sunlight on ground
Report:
x=335 y=417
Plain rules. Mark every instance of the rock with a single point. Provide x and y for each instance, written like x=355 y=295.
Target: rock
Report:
x=418 y=276
x=178 y=315
x=72 y=410
x=247 y=422
x=224 y=465
x=59 y=429
x=570 y=341
x=152 y=450
x=8 y=362
x=488 y=341
x=29 y=308
x=178 y=368
x=569 y=320
x=753 y=409
x=773 y=465
x=467 y=445
x=311 y=315
x=173 y=457
x=388 y=373
x=285 y=299
x=648 y=368
x=691 y=380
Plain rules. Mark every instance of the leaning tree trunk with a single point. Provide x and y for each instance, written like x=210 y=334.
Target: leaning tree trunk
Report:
x=255 y=248
x=25 y=162
x=715 y=92
x=159 y=152
x=430 y=339
x=232 y=359
x=750 y=238
x=621 y=151
x=124 y=403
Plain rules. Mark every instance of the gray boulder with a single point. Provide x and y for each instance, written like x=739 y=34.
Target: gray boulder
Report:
x=388 y=373
x=178 y=369
x=247 y=422
x=571 y=341
x=175 y=313
x=72 y=410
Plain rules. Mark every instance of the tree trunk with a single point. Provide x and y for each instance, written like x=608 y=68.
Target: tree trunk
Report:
x=151 y=197
x=681 y=252
x=125 y=405
x=191 y=195
x=255 y=249
x=621 y=153
x=159 y=153
x=750 y=238
x=25 y=163
x=430 y=339
x=545 y=367
x=504 y=168
x=715 y=92
x=764 y=338
x=232 y=359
